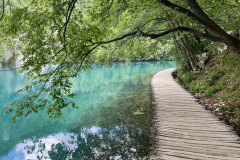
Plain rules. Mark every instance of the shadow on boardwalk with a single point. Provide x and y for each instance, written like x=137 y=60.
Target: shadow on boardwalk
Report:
x=183 y=129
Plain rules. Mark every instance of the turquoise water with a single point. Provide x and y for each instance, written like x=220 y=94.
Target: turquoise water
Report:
x=113 y=121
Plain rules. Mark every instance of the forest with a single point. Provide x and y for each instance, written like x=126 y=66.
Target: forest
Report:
x=202 y=36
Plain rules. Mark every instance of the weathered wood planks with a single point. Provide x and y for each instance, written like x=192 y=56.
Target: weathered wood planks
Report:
x=183 y=129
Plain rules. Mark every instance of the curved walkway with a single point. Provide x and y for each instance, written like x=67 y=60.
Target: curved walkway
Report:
x=183 y=129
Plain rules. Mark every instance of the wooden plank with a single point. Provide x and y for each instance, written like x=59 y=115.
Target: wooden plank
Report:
x=183 y=129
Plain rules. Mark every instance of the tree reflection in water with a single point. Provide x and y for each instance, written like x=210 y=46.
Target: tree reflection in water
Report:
x=118 y=142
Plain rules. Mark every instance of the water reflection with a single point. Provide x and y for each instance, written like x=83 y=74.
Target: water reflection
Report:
x=86 y=144
x=113 y=121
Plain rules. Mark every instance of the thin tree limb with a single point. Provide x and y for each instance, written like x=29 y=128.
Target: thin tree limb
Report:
x=3 y=10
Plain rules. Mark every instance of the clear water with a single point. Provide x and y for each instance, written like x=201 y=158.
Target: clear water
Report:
x=113 y=121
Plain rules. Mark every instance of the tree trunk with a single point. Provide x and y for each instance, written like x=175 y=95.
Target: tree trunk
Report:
x=189 y=52
x=230 y=41
x=180 y=50
x=184 y=43
x=198 y=15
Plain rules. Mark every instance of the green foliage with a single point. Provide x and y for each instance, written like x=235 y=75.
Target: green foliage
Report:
x=72 y=34
x=208 y=86
x=2 y=54
x=222 y=109
x=189 y=77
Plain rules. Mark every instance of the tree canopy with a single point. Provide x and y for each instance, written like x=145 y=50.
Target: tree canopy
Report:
x=72 y=34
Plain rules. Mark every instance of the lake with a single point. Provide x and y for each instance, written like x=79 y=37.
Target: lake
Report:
x=113 y=121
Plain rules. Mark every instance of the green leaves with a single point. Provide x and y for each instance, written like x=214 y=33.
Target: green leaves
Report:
x=59 y=38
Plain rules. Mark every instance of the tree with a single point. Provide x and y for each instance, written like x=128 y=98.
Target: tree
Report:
x=69 y=33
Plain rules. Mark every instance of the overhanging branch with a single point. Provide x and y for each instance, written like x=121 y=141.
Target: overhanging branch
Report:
x=3 y=10
x=185 y=29
x=117 y=39
x=202 y=20
x=138 y=32
x=158 y=35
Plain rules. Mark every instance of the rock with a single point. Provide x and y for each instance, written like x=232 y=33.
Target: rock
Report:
x=198 y=95
x=221 y=49
x=202 y=59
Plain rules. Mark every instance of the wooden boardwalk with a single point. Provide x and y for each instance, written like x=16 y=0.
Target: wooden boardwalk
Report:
x=183 y=129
